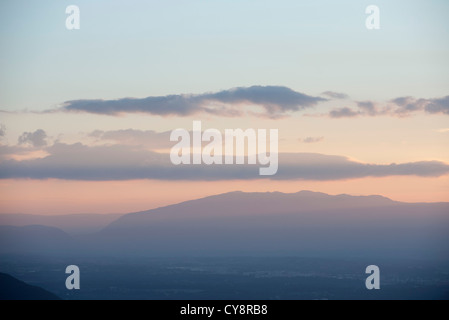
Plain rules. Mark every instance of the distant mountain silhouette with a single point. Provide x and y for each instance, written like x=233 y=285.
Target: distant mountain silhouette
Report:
x=33 y=239
x=258 y=224
x=236 y=204
x=73 y=224
x=305 y=223
x=13 y=289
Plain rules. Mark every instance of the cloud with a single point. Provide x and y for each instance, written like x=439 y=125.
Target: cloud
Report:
x=149 y=139
x=326 y=167
x=408 y=105
x=35 y=139
x=2 y=131
x=274 y=100
x=365 y=108
x=117 y=162
x=10 y=151
x=20 y=153
x=438 y=105
x=343 y=113
x=335 y=95
x=313 y=139
x=368 y=107
x=398 y=107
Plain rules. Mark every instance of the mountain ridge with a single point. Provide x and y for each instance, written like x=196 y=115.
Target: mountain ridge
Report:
x=14 y=289
x=258 y=224
x=72 y=224
x=231 y=196
x=303 y=223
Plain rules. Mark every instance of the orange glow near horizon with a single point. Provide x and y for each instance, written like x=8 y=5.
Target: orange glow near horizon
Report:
x=58 y=197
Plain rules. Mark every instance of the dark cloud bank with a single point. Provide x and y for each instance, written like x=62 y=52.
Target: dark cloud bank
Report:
x=274 y=100
x=105 y=163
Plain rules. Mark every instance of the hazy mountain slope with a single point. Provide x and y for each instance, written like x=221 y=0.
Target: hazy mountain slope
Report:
x=305 y=223
x=257 y=224
x=34 y=239
x=72 y=224
x=237 y=204
x=13 y=289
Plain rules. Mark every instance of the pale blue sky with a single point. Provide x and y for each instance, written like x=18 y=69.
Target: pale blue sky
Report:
x=145 y=48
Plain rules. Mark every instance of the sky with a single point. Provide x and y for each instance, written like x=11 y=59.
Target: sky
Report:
x=86 y=115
